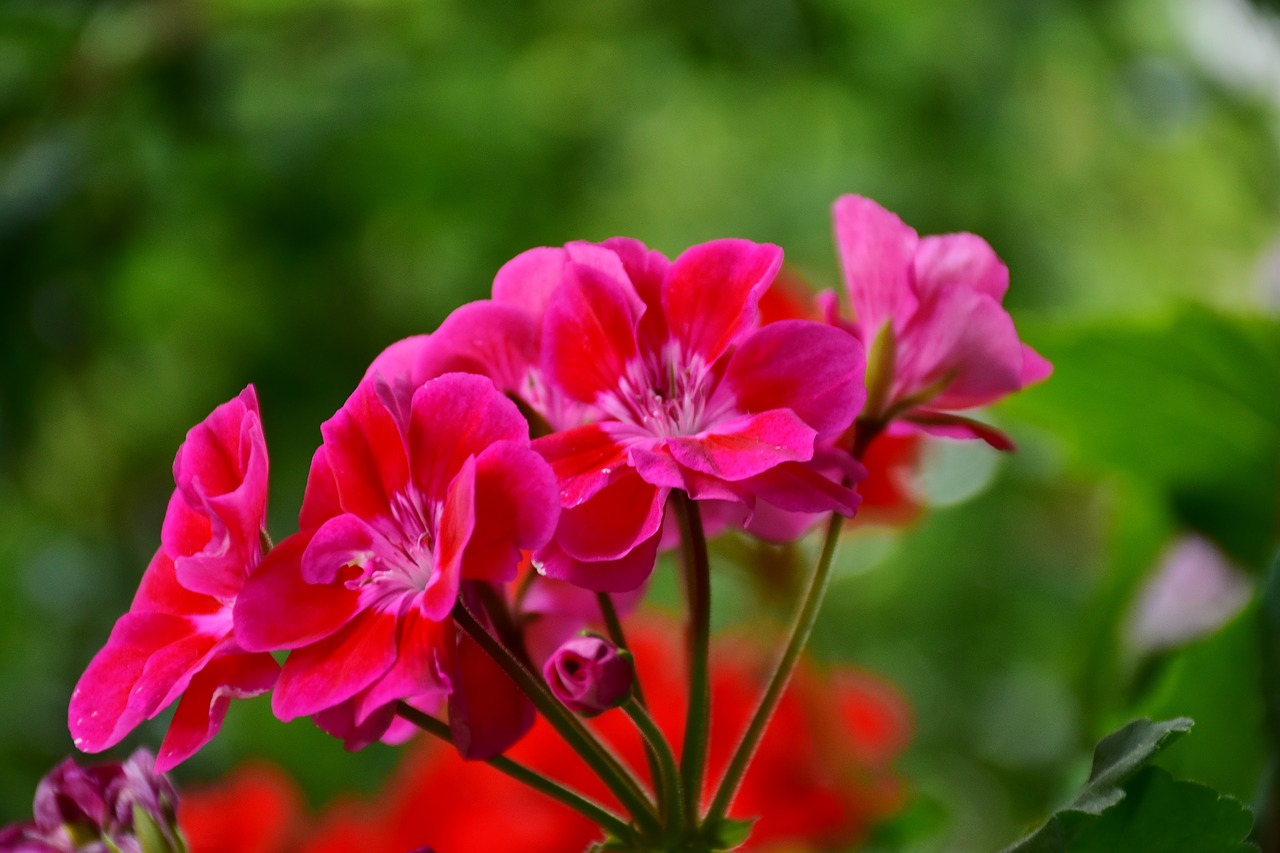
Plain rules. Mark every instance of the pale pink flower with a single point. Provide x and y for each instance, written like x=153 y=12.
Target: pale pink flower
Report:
x=955 y=345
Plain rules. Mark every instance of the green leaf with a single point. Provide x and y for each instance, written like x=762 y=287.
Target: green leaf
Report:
x=1269 y=627
x=1162 y=815
x=1117 y=757
x=1230 y=746
x=729 y=833
x=1206 y=430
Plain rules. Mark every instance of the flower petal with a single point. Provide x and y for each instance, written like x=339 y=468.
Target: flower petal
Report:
x=746 y=446
x=624 y=574
x=965 y=261
x=810 y=368
x=589 y=334
x=486 y=338
x=277 y=609
x=204 y=705
x=365 y=452
x=337 y=667
x=457 y=524
x=455 y=417
x=418 y=667
x=613 y=521
x=712 y=290
x=487 y=711
x=100 y=713
x=876 y=252
x=517 y=507
x=584 y=460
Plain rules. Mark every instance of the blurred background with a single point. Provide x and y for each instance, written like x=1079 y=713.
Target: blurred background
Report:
x=198 y=195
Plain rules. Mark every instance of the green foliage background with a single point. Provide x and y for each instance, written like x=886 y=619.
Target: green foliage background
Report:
x=197 y=195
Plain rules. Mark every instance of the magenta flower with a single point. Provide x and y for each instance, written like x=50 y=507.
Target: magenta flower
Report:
x=955 y=346
x=176 y=641
x=691 y=394
x=415 y=495
x=96 y=809
x=589 y=675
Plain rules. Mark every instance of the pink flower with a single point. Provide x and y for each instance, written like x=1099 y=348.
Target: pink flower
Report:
x=177 y=639
x=955 y=346
x=679 y=388
x=416 y=497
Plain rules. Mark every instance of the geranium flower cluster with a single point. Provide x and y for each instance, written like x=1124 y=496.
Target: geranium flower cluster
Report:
x=605 y=404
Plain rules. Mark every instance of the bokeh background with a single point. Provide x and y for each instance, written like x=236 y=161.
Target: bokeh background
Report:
x=198 y=195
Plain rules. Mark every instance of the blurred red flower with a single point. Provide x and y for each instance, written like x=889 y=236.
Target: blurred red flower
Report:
x=821 y=777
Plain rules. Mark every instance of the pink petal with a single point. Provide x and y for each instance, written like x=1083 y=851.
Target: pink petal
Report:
x=589 y=334
x=278 y=610
x=204 y=705
x=365 y=452
x=418 y=667
x=517 y=507
x=1035 y=367
x=486 y=338
x=965 y=261
x=455 y=417
x=169 y=671
x=336 y=668
x=876 y=254
x=457 y=524
x=100 y=714
x=948 y=425
x=342 y=542
x=339 y=721
x=160 y=592
x=528 y=280
x=745 y=446
x=812 y=369
x=615 y=519
x=625 y=574
x=487 y=711
x=711 y=293
x=801 y=487
x=584 y=460
x=646 y=269
x=320 y=501
x=395 y=364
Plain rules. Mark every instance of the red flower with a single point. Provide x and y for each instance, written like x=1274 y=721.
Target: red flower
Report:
x=177 y=638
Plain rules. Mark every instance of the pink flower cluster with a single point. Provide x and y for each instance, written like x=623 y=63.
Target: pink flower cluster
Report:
x=551 y=422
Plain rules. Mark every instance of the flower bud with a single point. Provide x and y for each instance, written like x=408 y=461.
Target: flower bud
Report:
x=589 y=675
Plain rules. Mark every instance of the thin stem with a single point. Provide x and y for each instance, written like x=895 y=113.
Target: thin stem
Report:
x=864 y=433
x=613 y=627
x=594 y=812
x=610 y=770
x=697 y=574
x=673 y=807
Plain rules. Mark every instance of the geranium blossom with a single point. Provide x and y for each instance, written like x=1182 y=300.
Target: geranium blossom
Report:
x=955 y=346
x=414 y=495
x=177 y=639
x=656 y=376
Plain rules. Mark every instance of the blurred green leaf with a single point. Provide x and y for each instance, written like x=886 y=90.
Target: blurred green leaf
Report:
x=1189 y=404
x=1230 y=746
x=1117 y=757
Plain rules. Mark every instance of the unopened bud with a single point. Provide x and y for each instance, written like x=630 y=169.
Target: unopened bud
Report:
x=589 y=675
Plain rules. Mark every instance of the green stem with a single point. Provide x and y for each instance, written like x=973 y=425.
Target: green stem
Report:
x=667 y=771
x=697 y=574
x=610 y=770
x=613 y=626
x=594 y=812
x=864 y=433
